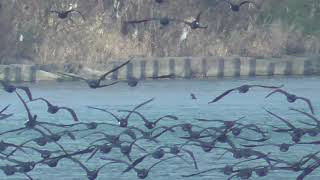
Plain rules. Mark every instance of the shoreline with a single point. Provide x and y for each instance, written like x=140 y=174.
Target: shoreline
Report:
x=181 y=67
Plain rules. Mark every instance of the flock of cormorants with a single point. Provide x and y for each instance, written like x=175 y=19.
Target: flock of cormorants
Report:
x=240 y=140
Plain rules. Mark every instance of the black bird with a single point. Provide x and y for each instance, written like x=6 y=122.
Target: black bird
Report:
x=195 y=24
x=283 y=147
x=226 y=170
x=157 y=154
x=53 y=109
x=91 y=174
x=4 y=116
x=95 y=83
x=177 y=148
x=141 y=173
x=31 y=118
x=164 y=21
x=149 y=135
x=291 y=98
x=133 y=82
x=123 y=122
x=149 y=124
x=31 y=122
x=5 y=145
x=236 y=7
x=193 y=96
x=9 y=170
x=297 y=133
x=12 y=88
x=242 y=89
x=65 y=14
x=126 y=149
x=103 y=148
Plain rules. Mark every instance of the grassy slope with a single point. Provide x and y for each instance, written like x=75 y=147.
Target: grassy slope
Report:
x=279 y=27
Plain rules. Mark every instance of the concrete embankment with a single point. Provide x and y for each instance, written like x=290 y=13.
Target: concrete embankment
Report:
x=182 y=67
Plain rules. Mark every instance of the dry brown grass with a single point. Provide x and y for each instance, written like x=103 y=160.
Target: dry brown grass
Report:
x=103 y=36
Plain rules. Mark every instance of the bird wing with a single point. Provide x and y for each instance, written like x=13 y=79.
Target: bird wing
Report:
x=198 y=16
x=5 y=108
x=92 y=154
x=139 y=105
x=161 y=161
x=308 y=102
x=71 y=111
x=5 y=116
x=192 y=156
x=141 y=21
x=25 y=106
x=207 y=120
x=282 y=119
x=79 y=162
x=307 y=114
x=271 y=87
x=73 y=76
x=222 y=95
x=135 y=163
x=100 y=86
x=114 y=69
x=166 y=116
x=245 y=2
x=106 y=112
x=26 y=90
x=277 y=91
x=43 y=99
x=136 y=112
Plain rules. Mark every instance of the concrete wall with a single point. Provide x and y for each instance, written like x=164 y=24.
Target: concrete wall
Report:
x=182 y=67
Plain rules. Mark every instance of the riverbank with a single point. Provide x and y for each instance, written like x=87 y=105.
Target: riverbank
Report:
x=181 y=67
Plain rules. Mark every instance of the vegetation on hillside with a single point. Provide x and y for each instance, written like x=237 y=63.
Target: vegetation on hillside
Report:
x=31 y=34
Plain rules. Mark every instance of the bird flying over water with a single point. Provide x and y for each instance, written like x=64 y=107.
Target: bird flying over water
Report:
x=12 y=88
x=291 y=98
x=96 y=83
x=52 y=109
x=242 y=89
x=193 y=96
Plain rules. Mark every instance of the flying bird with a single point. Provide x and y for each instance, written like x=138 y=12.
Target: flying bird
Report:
x=96 y=83
x=193 y=96
x=195 y=24
x=65 y=14
x=12 y=88
x=291 y=98
x=4 y=116
x=53 y=109
x=236 y=7
x=242 y=89
x=164 y=21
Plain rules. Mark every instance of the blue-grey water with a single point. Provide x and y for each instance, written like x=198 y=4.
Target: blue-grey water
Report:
x=171 y=97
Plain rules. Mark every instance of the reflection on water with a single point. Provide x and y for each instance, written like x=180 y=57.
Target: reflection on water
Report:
x=171 y=97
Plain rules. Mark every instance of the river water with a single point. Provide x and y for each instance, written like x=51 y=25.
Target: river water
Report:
x=170 y=97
